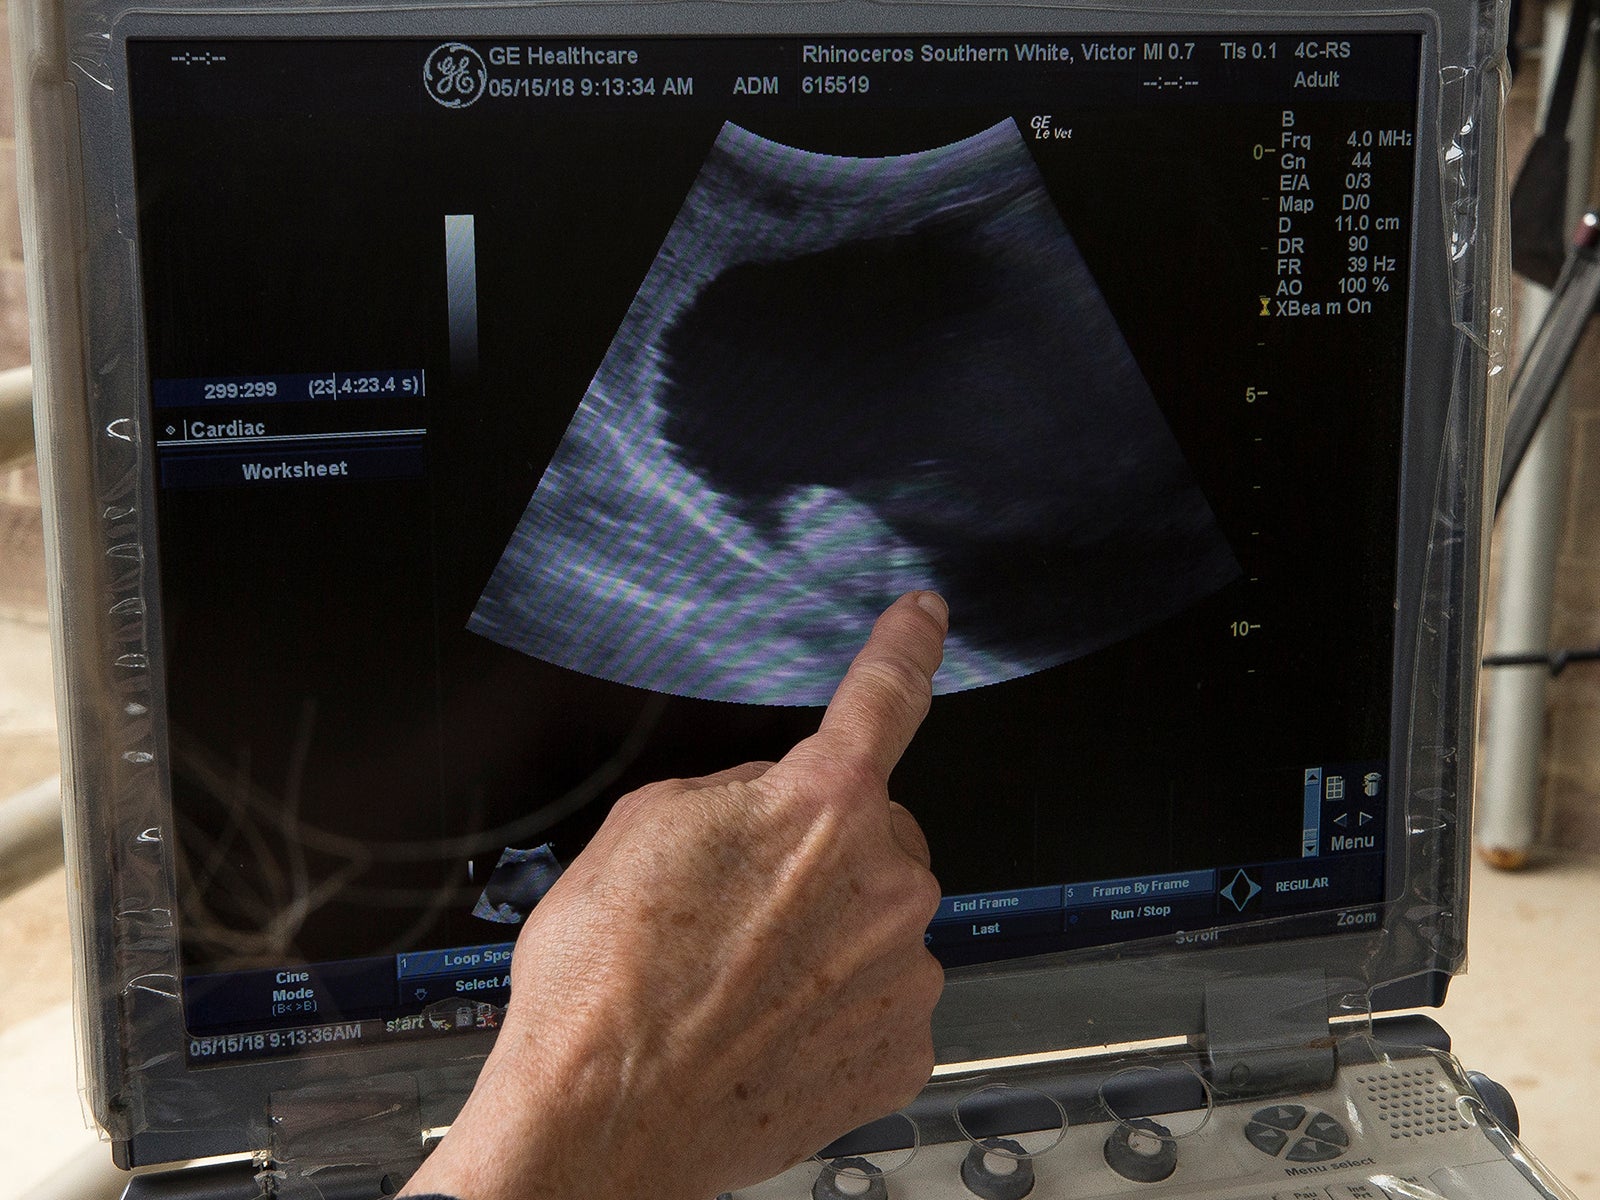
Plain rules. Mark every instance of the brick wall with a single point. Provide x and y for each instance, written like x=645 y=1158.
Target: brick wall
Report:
x=1572 y=753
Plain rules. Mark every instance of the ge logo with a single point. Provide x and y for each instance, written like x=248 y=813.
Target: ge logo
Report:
x=455 y=75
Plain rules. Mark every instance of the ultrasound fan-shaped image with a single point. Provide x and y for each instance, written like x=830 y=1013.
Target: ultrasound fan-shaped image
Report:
x=842 y=379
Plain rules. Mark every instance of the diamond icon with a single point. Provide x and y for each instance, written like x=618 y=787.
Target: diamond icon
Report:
x=1241 y=890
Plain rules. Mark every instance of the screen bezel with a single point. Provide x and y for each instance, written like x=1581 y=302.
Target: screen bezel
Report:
x=1075 y=999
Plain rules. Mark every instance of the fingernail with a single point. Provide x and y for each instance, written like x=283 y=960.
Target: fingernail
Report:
x=933 y=604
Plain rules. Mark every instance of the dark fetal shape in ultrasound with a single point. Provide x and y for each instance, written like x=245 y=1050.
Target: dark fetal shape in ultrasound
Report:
x=842 y=379
x=520 y=879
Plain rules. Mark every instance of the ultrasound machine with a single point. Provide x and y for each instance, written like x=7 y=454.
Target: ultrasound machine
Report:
x=455 y=416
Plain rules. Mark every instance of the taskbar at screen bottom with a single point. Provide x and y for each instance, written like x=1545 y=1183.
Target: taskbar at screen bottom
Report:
x=443 y=1019
x=1294 y=898
x=429 y=994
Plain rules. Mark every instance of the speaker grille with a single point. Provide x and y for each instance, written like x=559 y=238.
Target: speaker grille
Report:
x=1413 y=1102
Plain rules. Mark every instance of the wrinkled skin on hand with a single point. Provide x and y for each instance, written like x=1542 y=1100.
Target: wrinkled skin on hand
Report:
x=730 y=975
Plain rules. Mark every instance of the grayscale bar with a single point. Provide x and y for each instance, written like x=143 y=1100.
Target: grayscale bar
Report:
x=461 y=290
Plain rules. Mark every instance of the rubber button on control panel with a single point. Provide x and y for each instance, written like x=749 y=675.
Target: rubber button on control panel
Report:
x=1323 y=1137
x=1325 y=1129
x=1265 y=1138
x=1357 y=1191
x=1311 y=1150
x=1281 y=1116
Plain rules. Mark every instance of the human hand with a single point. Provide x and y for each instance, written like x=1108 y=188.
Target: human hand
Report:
x=731 y=974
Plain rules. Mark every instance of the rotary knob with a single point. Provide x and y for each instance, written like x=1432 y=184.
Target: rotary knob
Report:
x=849 y=1179
x=997 y=1169
x=1142 y=1151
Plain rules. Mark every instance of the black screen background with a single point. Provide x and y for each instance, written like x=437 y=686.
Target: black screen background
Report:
x=318 y=669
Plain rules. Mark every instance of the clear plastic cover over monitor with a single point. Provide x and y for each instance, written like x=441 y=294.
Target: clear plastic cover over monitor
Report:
x=487 y=412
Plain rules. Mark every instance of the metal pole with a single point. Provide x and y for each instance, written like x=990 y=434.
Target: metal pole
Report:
x=1530 y=531
x=16 y=414
x=30 y=835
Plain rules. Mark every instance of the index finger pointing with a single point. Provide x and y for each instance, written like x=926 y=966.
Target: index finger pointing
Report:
x=885 y=694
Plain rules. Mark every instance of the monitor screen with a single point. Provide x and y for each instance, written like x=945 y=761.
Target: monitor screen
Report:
x=537 y=418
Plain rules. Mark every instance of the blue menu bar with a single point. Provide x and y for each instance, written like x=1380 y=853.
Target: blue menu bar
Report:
x=299 y=994
x=1140 y=887
x=993 y=928
x=1331 y=881
x=999 y=904
x=1130 y=917
x=418 y=964
x=407 y=383
x=292 y=461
